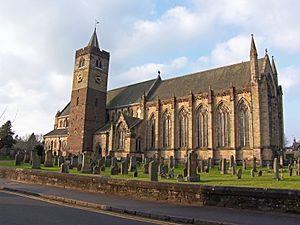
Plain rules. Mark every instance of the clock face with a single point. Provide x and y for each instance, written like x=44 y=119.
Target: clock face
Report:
x=79 y=77
x=98 y=79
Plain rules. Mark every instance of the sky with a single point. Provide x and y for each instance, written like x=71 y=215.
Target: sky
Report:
x=38 y=40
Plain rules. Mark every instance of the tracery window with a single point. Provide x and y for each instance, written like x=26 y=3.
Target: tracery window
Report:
x=183 y=128
x=223 y=126
x=201 y=127
x=243 y=125
x=166 y=130
x=120 y=137
x=152 y=132
x=99 y=63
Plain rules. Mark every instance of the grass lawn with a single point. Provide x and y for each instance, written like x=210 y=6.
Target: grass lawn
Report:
x=212 y=178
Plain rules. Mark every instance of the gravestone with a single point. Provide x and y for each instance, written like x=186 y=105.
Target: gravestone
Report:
x=36 y=161
x=146 y=168
x=206 y=169
x=185 y=170
x=114 y=161
x=107 y=161
x=135 y=173
x=64 y=167
x=295 y=168
x=171 y=174
x=153 y=170
x=60 y=160
x=124 y=167
x=101 y=162
x=18 y=159
x=209 y=163
x=252 y=173
x=254 y=164
x=48 y=159
x=268 y=165
x=192 y=175
x=231 y=162
x=239 y=173
x=259 y=174
x=232 y=170
x=80 y=158
x=74 y=161
x=96 y=170
x=180 y=178
x=171 y=162
x=79 y=167
x=223 y=166
x=281 y=161
x=86 y=162
x=132 y=163
x=276 y=169
x=102 y=168
x=220 y=165
x=244 y=164
x=291 y=170
x=56 y=160
x=114 y=170
x=200 y=166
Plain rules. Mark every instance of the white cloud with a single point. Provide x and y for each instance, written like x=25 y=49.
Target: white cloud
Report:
x=289 y=78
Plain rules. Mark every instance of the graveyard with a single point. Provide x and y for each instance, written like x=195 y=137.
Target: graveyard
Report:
x=216 y=175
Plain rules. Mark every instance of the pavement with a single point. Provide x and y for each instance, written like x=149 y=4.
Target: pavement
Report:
x=150 y=209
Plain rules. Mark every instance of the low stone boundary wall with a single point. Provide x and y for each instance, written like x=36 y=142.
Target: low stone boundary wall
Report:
x=188 y=194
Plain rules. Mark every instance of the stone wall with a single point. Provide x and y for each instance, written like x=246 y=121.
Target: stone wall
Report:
x=188 y=194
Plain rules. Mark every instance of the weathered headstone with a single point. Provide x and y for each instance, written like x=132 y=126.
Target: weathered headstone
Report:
x=102 y=168
x=153 y=170
x=18 y=159
x=60 y=160
x=281 y=161
x=64 y=167
x=239 y=173
x=80 y=158
x=206 y=169
x=124 y=167
x=180 y=178
x=171 y=162
x=259 y=174
x=252 y=173
x=36 y=161
x=298 y=167
x=276 y=169
x=268 y=165
x=192 y=175
x=200 y=166
x=254 y=164
x=146 y=168
x=79 y=167
x=114 y=170
x=291 y=171
x=132 y=163
x=114 y=161
x=86 y=162
x=56 y=160
x=209 y=163
x=74 y=161
x=96 y=170
x=185 y=170
x=171 y=174
x=101 y=162
x=244 y=164
x=223 y=166
x=231 y=161
x=107 y=161
x=135 y=173
x=220 y=165
x=48 y=159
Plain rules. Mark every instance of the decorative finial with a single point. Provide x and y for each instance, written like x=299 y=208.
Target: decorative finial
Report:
x=266 y=50
x=251 y=35
x=158 y=72
x=96 y=23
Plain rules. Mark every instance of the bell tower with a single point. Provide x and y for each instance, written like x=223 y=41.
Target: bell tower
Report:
x=88 y=97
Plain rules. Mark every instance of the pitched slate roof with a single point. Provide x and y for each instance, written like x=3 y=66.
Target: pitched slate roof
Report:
x=128 y=94
x=57 y=132
x=131 y=121
x=238 y=75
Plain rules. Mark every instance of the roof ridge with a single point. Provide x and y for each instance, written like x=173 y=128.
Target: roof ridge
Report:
x=132 y=85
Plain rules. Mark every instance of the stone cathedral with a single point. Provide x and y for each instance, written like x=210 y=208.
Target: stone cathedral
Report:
x=231 y=110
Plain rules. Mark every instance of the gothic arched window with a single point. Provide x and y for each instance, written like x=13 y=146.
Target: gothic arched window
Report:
x=243 y=125
x=201 y=127
x=152 y=132
x=81 y=62
x=223 y=126
x=99 y=63
x=166 y=130
x=183 y=128
x=120 y=137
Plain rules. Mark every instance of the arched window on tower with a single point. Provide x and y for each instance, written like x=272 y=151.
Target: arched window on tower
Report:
x=243 y=125
x=201 y=127
x=183 y=128
x=81 y=62
x=166 y=130
x=152 y=131
x=77 y=101
x=120 y=137
x=223 y=126
x=99 y=63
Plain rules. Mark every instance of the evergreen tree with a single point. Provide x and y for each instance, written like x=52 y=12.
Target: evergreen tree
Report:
x=6 y=135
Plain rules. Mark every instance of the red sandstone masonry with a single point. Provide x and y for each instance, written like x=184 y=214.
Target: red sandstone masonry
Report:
x=188 y=194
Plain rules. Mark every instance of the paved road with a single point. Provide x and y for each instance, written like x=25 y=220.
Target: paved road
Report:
x=17 y=210
x=227 y=215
